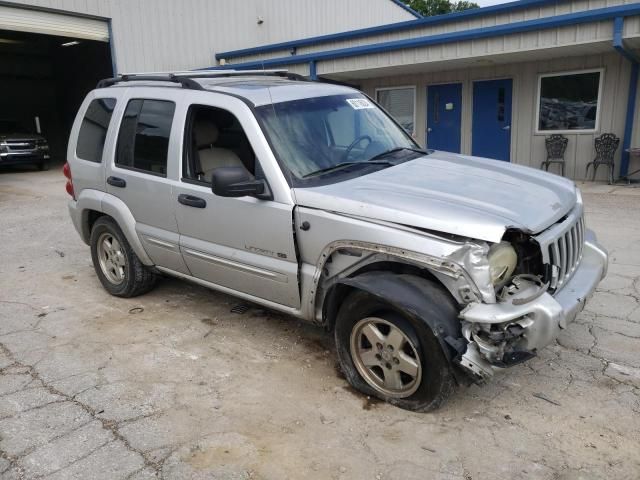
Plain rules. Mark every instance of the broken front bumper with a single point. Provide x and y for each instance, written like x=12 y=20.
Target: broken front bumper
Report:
x=545 y=316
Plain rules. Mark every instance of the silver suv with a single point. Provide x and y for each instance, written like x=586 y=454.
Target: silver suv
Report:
x=432 y=269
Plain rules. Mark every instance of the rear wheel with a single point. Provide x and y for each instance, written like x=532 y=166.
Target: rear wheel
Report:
x=388 y=354
x=116 y=264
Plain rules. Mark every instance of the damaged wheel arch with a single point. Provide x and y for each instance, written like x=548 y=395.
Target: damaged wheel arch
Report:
x=420 y=298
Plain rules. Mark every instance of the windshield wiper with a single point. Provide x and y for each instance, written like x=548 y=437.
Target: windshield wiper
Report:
x=342 y=165
x=397 y=149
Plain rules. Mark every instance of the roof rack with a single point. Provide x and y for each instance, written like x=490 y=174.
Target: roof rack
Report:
x=186 y=79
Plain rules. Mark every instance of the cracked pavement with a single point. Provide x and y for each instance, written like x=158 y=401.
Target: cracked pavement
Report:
x=172 y=385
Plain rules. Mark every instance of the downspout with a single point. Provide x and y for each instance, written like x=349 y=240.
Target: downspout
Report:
x=112 y=48
x=619 y=46
x=313 y=72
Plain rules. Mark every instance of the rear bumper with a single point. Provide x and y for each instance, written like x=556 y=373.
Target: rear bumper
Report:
x=76 y=219
x=548 y=314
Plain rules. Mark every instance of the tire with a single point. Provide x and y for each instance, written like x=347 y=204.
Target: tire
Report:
x=118 y=267
x=429 y=386
x=43 y=166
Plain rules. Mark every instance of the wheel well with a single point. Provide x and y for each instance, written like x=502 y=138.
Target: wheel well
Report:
x=338 y=292
x=89 y=218
x=92 y=216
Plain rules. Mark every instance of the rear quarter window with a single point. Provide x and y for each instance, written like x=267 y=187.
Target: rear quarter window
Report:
x=93 y=130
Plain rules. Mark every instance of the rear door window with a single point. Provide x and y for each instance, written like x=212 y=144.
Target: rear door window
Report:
x=143 y=140
x=93 y=130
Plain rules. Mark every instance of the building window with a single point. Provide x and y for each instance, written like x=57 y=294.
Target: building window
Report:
x=93 y=130
x=143 y=141
x=400 y=102
x=569 y=101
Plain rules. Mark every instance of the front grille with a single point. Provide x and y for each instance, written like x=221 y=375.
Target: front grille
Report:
x=17 y=146
x=565 y=253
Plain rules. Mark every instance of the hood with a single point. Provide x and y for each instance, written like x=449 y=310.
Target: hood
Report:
x=457 y=194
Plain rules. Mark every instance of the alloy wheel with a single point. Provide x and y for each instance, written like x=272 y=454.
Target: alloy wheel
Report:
x=112 y=259
x=385 y=357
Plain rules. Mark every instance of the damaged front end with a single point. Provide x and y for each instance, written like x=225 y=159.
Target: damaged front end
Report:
x=556 y=271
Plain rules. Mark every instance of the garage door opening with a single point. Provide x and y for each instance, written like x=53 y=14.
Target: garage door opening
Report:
x=43 y=80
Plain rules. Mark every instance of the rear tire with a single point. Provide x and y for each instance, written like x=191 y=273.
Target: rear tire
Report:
x=119 y=269
x=417 y=378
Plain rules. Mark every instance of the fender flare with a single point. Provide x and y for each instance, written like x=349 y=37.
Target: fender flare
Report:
x=406 y=293
x=115 y=208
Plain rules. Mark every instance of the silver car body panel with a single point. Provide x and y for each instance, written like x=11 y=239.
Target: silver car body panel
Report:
x=448 y=259
x=443 y=192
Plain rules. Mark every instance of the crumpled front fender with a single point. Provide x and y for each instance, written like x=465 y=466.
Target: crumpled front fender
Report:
x=406 y=293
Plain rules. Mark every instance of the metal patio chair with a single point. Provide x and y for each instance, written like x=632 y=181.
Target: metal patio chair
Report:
x=556 y=145
x=606 y=146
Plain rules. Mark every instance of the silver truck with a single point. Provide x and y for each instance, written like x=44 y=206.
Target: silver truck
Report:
x=18 y=147
x=431 y=269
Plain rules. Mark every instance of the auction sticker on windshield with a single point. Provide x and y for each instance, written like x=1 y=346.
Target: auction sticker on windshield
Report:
x=359 y=103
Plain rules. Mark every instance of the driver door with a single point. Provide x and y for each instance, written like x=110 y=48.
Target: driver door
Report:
x=242 y=244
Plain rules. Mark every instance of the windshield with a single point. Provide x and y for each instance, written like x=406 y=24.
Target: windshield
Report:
x=321 y=135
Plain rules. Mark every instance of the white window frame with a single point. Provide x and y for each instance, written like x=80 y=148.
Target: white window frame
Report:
x=598 y=104
x=415 y=102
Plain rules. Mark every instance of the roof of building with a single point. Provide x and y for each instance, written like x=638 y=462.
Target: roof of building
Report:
x=419 y=22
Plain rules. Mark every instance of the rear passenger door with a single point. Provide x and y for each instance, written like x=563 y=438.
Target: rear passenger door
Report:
x=144 y=157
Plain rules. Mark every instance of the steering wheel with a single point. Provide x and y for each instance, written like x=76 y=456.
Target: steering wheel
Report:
x=354 y=143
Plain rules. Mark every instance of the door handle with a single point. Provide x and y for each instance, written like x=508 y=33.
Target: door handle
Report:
x=191 y=201
x=507 y=127
x=117 y=182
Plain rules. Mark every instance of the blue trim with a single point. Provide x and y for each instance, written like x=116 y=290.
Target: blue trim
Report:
x=112 y=47
x=313 y=74
x=406 y=7
x=618 y=41
x=392 y=27
x=473 y=34
x=628 y=126
x=619 y=46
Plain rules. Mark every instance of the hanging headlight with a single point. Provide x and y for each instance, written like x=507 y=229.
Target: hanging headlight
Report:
x=503 y=260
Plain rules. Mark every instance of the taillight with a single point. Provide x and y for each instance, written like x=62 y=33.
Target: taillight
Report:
x=66 y=170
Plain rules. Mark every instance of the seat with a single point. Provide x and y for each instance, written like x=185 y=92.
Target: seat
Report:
x=606 y=146
x=556 y=146
x=211 y=157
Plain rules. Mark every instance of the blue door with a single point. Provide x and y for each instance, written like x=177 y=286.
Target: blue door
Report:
x=491 y=130
x=444 y=113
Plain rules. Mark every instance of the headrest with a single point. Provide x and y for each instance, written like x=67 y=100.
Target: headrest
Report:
x=206 y=132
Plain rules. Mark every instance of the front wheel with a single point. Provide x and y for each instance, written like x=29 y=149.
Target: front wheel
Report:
x=387 y=354
x=118 y=267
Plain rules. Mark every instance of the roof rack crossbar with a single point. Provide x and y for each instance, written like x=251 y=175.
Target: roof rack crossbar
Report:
x=239 y=73
x=186 y=82
x=186 y=79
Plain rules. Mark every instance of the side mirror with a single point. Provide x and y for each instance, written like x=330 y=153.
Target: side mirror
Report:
x=237 y=182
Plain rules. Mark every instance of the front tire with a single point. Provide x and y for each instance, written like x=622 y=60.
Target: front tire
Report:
x=43 y=166
x=119 y=269
x=387 y=354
